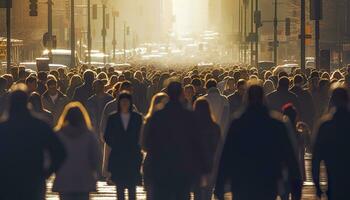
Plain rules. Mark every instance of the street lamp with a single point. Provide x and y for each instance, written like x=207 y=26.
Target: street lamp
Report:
x=115 y=14
x=72 y=35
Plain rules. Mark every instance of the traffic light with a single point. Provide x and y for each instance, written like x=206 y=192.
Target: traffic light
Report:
x=33 y=7
x=288 y=24
x=94 y=11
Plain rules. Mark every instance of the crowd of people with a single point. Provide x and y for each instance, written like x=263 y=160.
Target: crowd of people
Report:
x=174 y=130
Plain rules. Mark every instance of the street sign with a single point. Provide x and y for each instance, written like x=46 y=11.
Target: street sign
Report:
x=5 y=3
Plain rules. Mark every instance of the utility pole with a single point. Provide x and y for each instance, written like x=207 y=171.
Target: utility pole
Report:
x=240 y=30
x=124 y=45
x=302 y=36
x=317 y=43
x=104 y=32
x=275 y=36
x=72 y=34
x=251 y=31
x=257 y=25
x=49 y=26
x=114 y=35
x=89 y=39
x=8 y=35
x=245 y=32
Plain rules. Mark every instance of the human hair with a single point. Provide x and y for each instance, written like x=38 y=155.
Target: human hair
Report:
x=74 y=114
x=283 y=83
x=125 y=95
x=155 y=105
x=255 y=95
x=75 y=81
x=31 y=79
x=202 y=111
x=89 y=76
x=298 y=79
x=51 y=82
x=174 y=90
x=42 y=76
x=196 y=82
x=211 y=83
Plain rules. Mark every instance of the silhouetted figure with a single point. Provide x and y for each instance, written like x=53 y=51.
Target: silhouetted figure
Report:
x=42 y=78
x=158 y=102
x=175 y=155
x=282 y=96
x=74 y=82
x=209 y=138
x=54 y=100
x=307 y=107
x=37 y=109
x=236 y=99
x=122 y=135
x=97 y=103
x=3 y=96
x=257 y=149
x=24 y=140
x=332 y=147
x=77 y=176
x=85 y=91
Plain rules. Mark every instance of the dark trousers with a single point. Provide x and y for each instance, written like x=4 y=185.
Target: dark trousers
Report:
x=74 y=196
x=121 y=192
x=179 y=191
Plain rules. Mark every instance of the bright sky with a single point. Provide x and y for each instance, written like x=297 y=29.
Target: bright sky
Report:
x=191 y=15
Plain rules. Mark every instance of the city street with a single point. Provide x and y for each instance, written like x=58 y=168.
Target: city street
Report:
x=106 y=192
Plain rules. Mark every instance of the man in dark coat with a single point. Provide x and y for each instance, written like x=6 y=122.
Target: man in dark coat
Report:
x=85 y=91
x=307 y=107
x=24 y=140
x=332 y=145
x=236 y=99
x=175 y=156
x=282 y=96
x=257 y=150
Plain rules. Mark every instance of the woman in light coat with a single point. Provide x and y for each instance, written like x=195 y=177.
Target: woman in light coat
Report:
x=78 y=175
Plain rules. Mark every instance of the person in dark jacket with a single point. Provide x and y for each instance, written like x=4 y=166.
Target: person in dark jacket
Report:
x=85 y=91
x=306 y=103
x=236 y=99
x=24 y=139
x=122 y=135
x=37 y=109
x=282 y=96
x=209 y=138
x=332 y=146
x=256 y=151
x=175 y=155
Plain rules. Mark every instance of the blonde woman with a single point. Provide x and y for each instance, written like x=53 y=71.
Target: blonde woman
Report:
x=77 y=177
x=157 y=103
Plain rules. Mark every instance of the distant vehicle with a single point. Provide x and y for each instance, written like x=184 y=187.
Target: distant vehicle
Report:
x=288 y=68
x=310 y=64
x=32 y=66
x=62 y=57
x=265 y=65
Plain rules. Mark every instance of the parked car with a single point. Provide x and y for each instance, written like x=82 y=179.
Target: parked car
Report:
x=32 y=66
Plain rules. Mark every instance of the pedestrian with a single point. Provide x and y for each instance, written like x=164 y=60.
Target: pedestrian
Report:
x=236 y=99
x=332 y=146
x=174 y=153
x=209 y=138
x=84 y=92
x=189 y=94
x=256 y=151
x=54 y=100
x=158 y=102
x=32 y=84
x=78 y=175
x=219 y=105
x=122 y=135
x=74 y=82
x=24 y=140
x=37 y=109
x=229 y=87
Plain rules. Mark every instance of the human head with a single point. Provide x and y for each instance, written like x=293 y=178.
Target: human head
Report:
x=189 y=92
x=18 y=100
x=175 y=91
x=52 y=86
x=31 y=83
x=75 y=80
x=125 y=102
x=211 y=83
x=3 y=84
x=89 y=77
x=340 y=98
x=157 y=103
x=255 y=95
x=35 y=101
x=241 y=86
x=98 y=86
x=75 y=115
x=283 y=83
x=202 y=110
x=298 y=80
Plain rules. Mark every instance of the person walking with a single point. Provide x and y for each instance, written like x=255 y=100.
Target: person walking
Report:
x=332 y=146
x=85 y=91
x=209 y=137
x=122 y=135
x=158 y=102
x=24 y=140
x=78 y=175
x=38 y=110
x=256 y=151
x=174 y=153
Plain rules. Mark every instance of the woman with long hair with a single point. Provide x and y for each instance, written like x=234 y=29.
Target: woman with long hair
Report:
x=209 y=138
x=122 y=135
x=74 y=82
x=157 y=103
x=78 y=175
